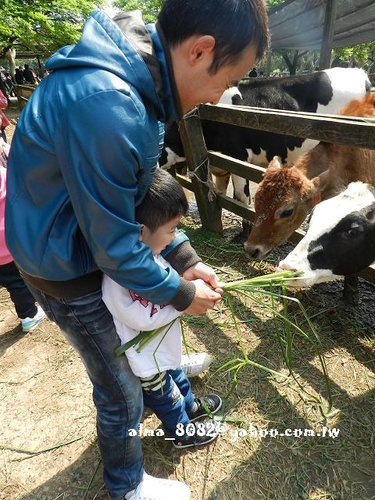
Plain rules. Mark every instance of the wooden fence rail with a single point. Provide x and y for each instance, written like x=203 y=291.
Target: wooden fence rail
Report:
x=330 y=128
x=23 y=93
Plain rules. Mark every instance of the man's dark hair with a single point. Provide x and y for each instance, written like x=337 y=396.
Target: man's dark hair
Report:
x=235 y=24
x=164 y=201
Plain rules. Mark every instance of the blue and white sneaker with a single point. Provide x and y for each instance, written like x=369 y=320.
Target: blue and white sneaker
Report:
x=29 y=324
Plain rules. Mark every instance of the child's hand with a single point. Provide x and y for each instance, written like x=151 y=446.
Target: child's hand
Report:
x=205 y=273
x=205 y=298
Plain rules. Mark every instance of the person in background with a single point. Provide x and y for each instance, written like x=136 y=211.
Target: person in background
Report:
x=29 y=75
x=166 y=388
x=3 y=85
x=74 y=185
x=9 y=84
x=4 y=122
x=18 y=76
x=29 y=313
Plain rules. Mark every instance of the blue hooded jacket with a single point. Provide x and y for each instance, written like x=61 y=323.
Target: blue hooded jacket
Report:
x=83 y=156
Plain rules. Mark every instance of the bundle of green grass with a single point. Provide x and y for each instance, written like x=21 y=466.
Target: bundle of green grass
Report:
x=274 y=286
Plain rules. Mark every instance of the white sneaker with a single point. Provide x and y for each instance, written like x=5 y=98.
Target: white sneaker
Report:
x=29 y=324
x=196 y=363
x=153 y=488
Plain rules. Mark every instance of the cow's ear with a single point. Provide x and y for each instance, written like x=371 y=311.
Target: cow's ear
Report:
x=274 y=164
x=322 y=181
x=317 y=186
x=313 y=195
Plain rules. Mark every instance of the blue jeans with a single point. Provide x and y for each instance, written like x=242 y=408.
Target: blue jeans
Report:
x=88 y=326
x=20 y=295
x=173 y=401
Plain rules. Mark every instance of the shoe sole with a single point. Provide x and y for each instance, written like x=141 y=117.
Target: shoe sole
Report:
x=31 y=328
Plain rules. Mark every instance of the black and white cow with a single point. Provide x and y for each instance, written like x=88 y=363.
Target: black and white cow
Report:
x=340 y=240
x=214 y=133
x=324 y=91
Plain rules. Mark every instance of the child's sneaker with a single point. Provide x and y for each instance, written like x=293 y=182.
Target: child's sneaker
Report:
x=197 y=434
x=29 y=324
x=196 y=363
x=153 y=488
x=205 y=407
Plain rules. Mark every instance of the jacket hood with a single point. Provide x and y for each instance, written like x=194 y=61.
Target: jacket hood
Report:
x=118 y=46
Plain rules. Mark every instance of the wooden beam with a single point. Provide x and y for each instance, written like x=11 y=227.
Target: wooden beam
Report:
x=328 y=33
x=241 y=168
x=336 y=129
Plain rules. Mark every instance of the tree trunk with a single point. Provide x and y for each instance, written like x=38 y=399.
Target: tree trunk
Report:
x=292 y=64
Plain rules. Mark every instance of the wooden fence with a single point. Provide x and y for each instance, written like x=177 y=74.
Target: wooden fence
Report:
x=23 y=93
x=330 y=128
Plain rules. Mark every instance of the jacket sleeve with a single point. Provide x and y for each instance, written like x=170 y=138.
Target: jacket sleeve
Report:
x=182 y=255
x=106 y=155
x=133 y=310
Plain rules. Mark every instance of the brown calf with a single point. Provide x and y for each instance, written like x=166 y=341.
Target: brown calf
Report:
x=287 y=194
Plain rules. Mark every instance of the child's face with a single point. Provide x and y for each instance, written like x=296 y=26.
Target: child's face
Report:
x=161 y=237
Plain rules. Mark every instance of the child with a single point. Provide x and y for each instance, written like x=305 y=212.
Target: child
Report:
x=27 y=310
x=166 y=388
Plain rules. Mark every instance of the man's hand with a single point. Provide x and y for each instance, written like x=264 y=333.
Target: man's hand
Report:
x=205 y=298
x=205 y=273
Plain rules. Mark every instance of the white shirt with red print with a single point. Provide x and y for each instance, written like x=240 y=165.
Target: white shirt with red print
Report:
x=133 y=314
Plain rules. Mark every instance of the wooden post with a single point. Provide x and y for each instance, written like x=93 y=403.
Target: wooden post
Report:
x=197 y=162
x=328 y=32
x=269 y=63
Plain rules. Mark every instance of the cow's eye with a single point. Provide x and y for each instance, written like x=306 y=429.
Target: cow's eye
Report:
x=284 y=213
x=353 y=232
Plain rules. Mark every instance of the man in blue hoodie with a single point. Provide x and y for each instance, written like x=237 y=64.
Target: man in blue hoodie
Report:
x=82 y=159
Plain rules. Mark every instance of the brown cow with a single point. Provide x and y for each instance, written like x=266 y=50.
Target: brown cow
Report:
x=287 y=194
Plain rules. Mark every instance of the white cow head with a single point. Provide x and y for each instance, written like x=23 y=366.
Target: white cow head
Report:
x=340 y=240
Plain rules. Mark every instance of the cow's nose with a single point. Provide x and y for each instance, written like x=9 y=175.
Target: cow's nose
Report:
x=253 y=252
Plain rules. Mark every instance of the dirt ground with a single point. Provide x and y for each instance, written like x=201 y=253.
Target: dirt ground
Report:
x=48 y=445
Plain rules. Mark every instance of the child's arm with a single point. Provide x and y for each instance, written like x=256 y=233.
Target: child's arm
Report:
x=129 y=308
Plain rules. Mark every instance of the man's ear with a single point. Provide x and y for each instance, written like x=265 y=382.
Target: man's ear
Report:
x=201 y=47
x=142 y=232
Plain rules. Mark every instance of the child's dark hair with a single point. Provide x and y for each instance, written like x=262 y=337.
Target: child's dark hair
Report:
x=164 y=201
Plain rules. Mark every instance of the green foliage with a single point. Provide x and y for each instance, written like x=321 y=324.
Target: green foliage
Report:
x=149 y=8
x=272 y=3
x=362 y=55
x=42 y=25
x=274 y=286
